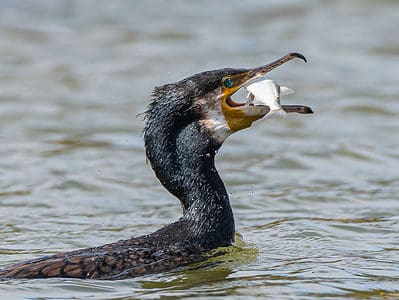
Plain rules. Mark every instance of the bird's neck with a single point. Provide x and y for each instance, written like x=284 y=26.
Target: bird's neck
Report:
x=183 y=160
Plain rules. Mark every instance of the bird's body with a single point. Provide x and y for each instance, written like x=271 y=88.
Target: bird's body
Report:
x=186 y=123
x=123 y=259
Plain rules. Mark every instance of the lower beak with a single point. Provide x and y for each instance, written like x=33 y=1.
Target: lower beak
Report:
x=300 y=109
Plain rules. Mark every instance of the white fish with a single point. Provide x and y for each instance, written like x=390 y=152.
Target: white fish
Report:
x=267 y=93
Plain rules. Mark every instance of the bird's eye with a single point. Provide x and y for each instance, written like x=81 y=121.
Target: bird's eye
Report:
x=228 y=82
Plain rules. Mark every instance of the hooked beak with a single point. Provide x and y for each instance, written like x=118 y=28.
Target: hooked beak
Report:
x=262 y=70
x=240 y=115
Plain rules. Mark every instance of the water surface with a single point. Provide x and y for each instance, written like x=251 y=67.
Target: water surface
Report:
x=315 y=197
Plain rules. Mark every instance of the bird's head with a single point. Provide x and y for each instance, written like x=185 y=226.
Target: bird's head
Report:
x=206 y=98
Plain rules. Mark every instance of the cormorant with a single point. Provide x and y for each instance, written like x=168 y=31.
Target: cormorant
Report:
x=186 y=123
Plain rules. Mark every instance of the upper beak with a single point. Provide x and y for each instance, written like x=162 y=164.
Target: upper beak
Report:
x=262 y=70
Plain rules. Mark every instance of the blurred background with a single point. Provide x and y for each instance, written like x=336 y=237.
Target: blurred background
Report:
x=316 y=195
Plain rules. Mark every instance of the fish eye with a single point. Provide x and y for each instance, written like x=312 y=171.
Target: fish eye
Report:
x=228 y=82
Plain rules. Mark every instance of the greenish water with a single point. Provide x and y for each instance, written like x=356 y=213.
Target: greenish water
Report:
x=315 y=197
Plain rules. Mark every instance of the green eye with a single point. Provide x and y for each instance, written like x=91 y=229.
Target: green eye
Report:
x=228 y=82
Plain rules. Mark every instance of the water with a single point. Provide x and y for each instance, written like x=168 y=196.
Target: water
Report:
x=315 y=197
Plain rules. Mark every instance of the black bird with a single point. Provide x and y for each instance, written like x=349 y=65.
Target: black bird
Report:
x=186 y=123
